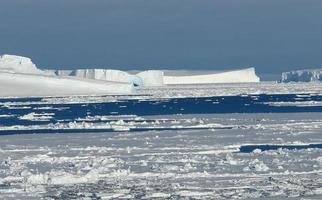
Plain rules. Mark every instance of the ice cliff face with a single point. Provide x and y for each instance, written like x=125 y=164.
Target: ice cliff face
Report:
x=17 y=64
x=302 y=76
x=101 y=74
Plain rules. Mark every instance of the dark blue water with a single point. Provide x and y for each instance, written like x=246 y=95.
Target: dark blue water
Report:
x=267 y=147
x=199 y=105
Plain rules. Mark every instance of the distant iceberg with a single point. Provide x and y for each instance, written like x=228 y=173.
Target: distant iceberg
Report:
x=308 y=75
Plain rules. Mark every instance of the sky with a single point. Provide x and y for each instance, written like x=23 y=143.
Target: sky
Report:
x=271 y=35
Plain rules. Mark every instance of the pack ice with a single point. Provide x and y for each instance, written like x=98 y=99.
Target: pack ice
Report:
x=19 y=76
x=302 y=76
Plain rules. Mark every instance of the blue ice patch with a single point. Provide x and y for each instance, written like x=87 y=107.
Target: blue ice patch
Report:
x=136 y=81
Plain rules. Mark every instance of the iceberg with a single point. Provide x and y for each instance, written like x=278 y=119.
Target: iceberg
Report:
x=247 y=75
x=159 y=77
x=308 y=75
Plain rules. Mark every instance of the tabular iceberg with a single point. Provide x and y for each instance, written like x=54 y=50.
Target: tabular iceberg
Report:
x=158 y=77
x=309 y=75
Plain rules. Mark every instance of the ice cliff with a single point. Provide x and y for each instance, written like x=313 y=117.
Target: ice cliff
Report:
x=308 y=75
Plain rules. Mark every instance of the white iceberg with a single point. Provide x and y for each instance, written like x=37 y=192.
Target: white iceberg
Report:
x=308 y=75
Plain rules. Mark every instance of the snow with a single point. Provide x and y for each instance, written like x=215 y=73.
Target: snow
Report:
x=309 y=75
x=235 y=76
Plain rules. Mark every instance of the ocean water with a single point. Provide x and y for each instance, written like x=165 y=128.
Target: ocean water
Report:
x=43 y=112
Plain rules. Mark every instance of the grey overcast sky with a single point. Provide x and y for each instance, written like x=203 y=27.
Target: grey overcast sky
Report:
x=271 y=35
